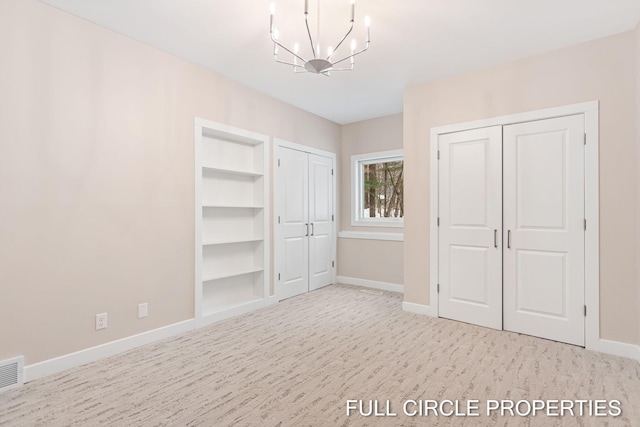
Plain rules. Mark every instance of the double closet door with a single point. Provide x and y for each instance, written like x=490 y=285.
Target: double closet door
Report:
x=305 y=237
x=511 y=233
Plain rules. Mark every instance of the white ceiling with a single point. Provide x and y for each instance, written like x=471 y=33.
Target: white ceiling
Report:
x=412 y=41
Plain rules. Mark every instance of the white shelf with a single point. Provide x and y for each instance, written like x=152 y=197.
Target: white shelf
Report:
x=237 y=136
x=230 y=242
x=225 y=275
x=231 y=206
x=208 y=169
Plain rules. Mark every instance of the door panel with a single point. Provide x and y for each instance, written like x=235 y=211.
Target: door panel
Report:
x=468 y=275
x=468 y=183
x=320 y=221
x=294 y=211
x=544 y=229
x=540 y=186
x=470 y=203
x=541 y=283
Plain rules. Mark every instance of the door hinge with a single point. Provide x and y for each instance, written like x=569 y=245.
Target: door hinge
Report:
x=278 y=219
x=585 y=311
x=331 y=172
x=332 y=218
x=278 y=276
x=585 y=224
x=438 y=288
x=333 y=263
x=278 y=162
x=585 y=139
x=438 y=154
x=438 y=221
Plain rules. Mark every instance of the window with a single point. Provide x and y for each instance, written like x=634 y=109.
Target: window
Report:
x=377 y=189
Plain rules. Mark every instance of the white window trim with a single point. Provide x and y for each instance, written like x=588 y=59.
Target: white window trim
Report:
x=357 y=161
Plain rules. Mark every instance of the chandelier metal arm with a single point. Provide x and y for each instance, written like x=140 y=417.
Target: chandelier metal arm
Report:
x=342 y=69
x=276 y=42
x=306 y=21
x=352 y=55
x=342 y=41
x=279 y=61
x=297 y=68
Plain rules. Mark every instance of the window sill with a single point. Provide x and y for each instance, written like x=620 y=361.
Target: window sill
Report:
x=366 y=235
x=374 y=223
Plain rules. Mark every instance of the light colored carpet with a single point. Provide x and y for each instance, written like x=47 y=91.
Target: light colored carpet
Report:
x=297 y=363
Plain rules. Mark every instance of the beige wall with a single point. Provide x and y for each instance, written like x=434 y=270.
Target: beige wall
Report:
x=598 y=70
x=96 y=177
x=375 y=260
x=380 y=261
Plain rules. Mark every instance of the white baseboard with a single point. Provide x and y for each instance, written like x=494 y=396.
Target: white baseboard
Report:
x=425 y=310
x=383 y=286
x=616 y=348
x=271 y=300
x=82 y=357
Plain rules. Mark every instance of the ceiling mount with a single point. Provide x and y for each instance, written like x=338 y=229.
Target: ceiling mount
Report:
x=318 y=64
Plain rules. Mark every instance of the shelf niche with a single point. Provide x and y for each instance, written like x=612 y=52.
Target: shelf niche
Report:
x=231 y=183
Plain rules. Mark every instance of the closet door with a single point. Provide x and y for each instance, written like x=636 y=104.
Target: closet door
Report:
x=544 y=229
x=304 y=232
x=470 y=204
x=292 y=242
x=320 y=221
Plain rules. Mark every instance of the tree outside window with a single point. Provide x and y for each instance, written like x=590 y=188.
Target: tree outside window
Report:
x=383 y=190
x=377 y=188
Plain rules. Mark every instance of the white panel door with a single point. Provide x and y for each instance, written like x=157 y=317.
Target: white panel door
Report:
x=470 y=204
x=544 y=229
x=320 y=221
x=292 y=241
x=305 y=235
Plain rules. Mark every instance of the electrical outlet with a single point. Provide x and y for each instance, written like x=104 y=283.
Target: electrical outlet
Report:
x=101 y=321
x=143 y=310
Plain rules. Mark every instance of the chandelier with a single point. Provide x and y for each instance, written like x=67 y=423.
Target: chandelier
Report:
x=319 y=64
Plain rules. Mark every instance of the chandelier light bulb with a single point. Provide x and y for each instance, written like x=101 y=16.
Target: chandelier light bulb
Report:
x=276 y=33
x=353 y=10
x=329 y=51
x=272 y=8
x=353 y=45
x=367 y=21
x=296 y=47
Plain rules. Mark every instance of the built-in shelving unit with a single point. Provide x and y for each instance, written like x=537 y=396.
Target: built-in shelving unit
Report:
x=231 y=224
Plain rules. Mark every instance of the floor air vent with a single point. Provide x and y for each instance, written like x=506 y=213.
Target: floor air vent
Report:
x=11 y=373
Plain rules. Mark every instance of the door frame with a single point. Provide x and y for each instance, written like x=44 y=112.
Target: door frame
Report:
x=277 y=259
x=592 y=203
